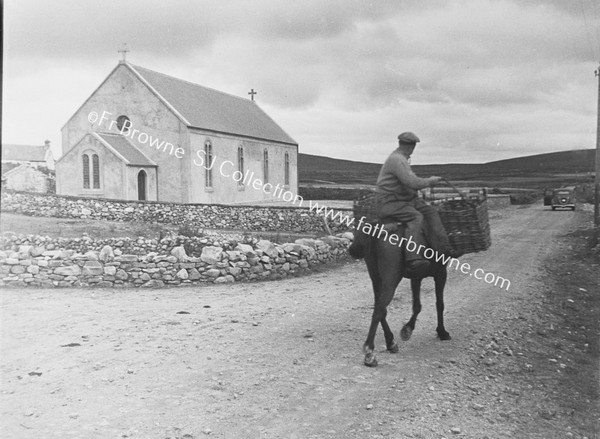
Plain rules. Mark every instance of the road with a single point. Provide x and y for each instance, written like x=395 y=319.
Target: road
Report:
x=276 y=359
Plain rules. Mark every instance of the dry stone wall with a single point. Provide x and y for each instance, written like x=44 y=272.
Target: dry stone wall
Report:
x=210 y=216
x=35 y=261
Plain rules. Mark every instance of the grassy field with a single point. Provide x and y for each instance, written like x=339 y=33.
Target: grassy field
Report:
x=75 y=228
x=103 y=229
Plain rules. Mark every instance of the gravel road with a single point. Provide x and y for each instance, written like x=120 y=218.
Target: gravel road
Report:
x=283 y=359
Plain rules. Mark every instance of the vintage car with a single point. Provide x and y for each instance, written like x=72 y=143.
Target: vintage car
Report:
x=564 y=197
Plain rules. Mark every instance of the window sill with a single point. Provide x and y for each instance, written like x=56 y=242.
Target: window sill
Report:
x=91 y=192
x=209 y=189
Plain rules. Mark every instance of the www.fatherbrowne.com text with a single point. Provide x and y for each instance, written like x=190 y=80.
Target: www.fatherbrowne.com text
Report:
x=378 y=231
x=276 y=191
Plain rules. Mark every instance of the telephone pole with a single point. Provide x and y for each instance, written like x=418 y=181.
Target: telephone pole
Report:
x=597 y=178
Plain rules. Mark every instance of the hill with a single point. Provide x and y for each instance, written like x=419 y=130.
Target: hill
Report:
x=317 y=169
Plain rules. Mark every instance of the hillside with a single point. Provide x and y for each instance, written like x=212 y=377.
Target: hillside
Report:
x=317 y=169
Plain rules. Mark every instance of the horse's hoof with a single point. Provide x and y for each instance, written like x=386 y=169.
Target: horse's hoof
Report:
x=393 y=348
x=370 y=360
x=406 y=332
x=444 y=335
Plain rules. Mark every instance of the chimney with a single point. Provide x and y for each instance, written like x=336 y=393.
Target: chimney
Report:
x=47 y=144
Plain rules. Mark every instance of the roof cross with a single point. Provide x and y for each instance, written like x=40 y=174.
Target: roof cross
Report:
x=252 y=93
x=124 y=51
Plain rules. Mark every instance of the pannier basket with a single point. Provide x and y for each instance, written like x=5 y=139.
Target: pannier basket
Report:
x=465 y=219
x=367 y=206
x=466 y=223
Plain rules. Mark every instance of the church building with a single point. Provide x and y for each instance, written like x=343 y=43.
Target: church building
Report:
x=143 y=135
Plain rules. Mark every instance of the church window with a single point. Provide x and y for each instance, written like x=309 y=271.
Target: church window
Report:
x=241 y=165
x=208 y=150
x=142 y=185
x=91 y=171
x=96 y=169
x=266 y=166
x=287 y=169
x=86 y=171
x=123 y=121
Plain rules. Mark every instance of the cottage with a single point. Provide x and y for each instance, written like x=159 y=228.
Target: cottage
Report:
x=143 y=135
x=37 y=156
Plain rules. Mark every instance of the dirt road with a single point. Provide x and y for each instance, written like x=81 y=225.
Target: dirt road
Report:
x=283 y=359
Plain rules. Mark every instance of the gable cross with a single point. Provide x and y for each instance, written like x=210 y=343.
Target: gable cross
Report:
x=124 y=51
x=252 y=93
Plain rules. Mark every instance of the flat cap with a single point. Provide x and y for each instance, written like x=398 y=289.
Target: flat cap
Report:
x=408 y=137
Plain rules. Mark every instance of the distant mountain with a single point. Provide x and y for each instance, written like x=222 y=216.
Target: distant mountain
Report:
x=317 y=169
x=579 y=160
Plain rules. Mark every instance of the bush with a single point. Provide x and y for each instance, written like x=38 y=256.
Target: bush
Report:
x=585 y=193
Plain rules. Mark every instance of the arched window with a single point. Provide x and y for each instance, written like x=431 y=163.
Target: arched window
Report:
x=141 y=185
x=208 y=150
x=241 y=165
x=86 y=171
x=96 y=171
x=123 y=124
x=266 y=166
x=91 y=171
x=287 y=169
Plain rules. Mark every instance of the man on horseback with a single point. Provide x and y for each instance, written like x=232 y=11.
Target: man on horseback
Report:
x=397 y=187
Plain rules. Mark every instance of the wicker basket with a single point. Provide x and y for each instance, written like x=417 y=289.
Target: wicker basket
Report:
x=466 y=222
x=366 y=206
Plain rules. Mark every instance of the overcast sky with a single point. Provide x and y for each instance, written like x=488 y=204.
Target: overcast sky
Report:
x=476 y=80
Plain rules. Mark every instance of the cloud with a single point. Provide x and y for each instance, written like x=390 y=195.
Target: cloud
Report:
x=343 y=77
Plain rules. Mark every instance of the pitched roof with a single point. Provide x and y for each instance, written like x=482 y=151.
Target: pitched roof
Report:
x=209 y=109
x=125 y=149
x=21 y=168
x=24 y=153
x=7 y=167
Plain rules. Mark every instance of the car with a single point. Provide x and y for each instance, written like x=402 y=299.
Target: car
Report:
x=564 y=197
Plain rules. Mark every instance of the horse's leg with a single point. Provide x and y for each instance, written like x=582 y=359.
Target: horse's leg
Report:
x=384 y=268
x=407 y=329
x=371 y=261
x=440 y=283
x=370 y=359
x=390 y=344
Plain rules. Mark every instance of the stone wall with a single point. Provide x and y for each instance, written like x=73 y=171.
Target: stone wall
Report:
x=27 y=178
x=37 y=261
x=203 y=216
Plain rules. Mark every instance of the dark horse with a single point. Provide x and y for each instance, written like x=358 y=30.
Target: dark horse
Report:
x=385 y=263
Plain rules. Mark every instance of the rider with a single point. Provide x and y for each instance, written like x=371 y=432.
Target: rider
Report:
x=397 y=187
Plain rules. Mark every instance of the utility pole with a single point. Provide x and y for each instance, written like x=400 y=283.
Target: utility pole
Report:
x=597 y=179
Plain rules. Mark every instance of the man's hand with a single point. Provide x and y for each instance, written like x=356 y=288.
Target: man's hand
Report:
x=434 y=180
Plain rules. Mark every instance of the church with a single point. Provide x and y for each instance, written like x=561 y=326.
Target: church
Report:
x=143 y=135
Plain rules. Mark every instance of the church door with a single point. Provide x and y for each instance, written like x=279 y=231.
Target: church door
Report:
x=142 y=185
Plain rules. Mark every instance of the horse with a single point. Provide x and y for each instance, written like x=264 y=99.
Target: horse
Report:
x=386 y=267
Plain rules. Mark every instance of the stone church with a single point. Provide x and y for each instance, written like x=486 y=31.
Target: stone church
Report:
x=143 y=135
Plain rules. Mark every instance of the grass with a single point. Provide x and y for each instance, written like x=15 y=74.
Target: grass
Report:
x=104 y=229
x=75 y=228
